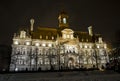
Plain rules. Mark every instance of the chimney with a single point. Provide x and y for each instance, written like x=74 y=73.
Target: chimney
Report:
x=100 y=40
x=90 y=31
x=32 y=23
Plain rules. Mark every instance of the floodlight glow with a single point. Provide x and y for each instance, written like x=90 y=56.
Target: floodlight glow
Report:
x=98 y=46
x=85 y=46
x=16 y=42
x=49 y=45
x=27 y=43
x=37 y=44
x=43 y=44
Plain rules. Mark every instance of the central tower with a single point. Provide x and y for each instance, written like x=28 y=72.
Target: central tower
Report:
x=63 y=20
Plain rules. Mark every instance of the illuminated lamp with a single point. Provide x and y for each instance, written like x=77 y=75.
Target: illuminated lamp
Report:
x=16 y=69
x=80 y=46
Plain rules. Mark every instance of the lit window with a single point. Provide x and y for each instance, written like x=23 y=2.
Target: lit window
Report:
x=68 y=36
x=98 y=46
x=85 y=46
x=16 y=69
x=52 y=37
x=85 y=62
x=64 y=20
x=37 y=44
x=16 y=42
x=89 y=61
x=64 y=36
x=71 y=36
x=46 y=37
x=105 y=46
x=86 y=40
x=49 y=45
x=27 y=43
x=32 y=61
x=43 y=45
x=82 y=40
x=40 y=36
x=40 y=61
x=81 y=46
x=22 y=34
x=90 y=46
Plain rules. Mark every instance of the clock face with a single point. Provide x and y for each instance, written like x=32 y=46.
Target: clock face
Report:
x=64 y=20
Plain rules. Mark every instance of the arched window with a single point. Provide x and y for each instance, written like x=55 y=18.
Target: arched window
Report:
x=68 y=36
x=52 y=37
x=33 y=61
x=40 y=61
x=22 y=34
x=40 y=36
x=64 y=20
x=46 y=37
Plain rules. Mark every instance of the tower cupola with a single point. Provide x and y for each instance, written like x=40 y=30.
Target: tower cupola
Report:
x=63 y=20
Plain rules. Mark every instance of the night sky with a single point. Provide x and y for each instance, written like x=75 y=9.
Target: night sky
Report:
x=103 y=15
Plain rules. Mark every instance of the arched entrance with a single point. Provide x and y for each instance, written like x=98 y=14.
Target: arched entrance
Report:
x=71 y=63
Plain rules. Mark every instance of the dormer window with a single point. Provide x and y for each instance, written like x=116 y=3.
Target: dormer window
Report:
x=27 y=43
x=67 y=33
x=46 y=37
x=98 y=46
x=68 y=36
x=52 y=37
x=16 y=42
x=22 y=34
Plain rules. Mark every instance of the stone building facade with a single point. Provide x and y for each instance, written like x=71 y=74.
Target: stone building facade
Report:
x=57 y=48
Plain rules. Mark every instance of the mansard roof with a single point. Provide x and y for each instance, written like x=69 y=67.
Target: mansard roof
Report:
x=85 y=37
x=48 y=33
x=45 y=31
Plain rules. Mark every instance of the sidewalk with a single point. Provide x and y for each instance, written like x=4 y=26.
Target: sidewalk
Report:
x=63 y=76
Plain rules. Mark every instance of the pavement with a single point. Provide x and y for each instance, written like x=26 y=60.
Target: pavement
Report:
x=62 y=76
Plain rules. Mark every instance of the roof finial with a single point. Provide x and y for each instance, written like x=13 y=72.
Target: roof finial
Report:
x=32 y=23
x=90 y=30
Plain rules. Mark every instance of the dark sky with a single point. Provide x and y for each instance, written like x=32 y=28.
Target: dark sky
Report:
x=103 y=15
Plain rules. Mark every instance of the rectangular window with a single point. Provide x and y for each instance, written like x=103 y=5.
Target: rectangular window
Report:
x=68 y=36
